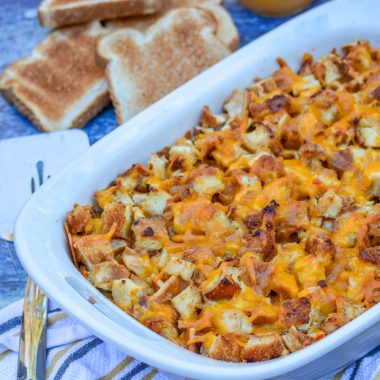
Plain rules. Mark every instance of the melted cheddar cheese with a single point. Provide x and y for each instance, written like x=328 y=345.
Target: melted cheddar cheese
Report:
x=258 y=233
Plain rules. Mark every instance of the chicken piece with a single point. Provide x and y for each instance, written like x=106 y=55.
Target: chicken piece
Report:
x=117 y=213
x=371 y=254
x=223 y=347
x=262 y=347
x=295 y=312
x=179 y=267
x=222 y=284
x=150 y=234
x=126 y=292
x=79 y=218
x=187 y=302
x=94 y=249
x=103 y=274
x=162 y=327
x=231 y=321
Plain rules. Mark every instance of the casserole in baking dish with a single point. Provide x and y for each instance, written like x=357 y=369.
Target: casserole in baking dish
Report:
x=44 y=255
x=258 y=232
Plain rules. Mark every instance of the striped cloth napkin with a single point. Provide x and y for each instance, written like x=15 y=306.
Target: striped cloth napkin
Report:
x=73 y=353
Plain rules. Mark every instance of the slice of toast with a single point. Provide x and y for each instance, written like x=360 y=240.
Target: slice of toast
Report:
x=59 y=86
x=54 y=13
x=226 y=29
x=143 y=67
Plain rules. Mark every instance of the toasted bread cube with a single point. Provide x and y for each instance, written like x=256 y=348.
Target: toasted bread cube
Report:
x=208 y=184
x=79 y=218
x=330 y=204
x=117 y=213
x=369 y=130
x=349 y=308
x=162 y=327
x=169 y=289
x=183 y=153
x=187 y=302
x=179 y=267
x=158 y=166
x=138 y=263
x=222 y=347
x=370 y=254
x=210 y=120
x=258 y=140
x=262 y=347
x=155 y=203
x=237 y=104
x=150 y=234
x=94 y=249
x=295 y=312
x=222 y=284
x=103 y=274
x=126 y=291
x=160 y=259
x=372 y=176
x=295 y=340
x=232 y=321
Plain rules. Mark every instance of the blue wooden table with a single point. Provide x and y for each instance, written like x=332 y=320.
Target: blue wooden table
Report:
x=19 y=33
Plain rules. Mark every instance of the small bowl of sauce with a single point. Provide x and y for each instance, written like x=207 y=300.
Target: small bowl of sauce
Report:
x=276 y=8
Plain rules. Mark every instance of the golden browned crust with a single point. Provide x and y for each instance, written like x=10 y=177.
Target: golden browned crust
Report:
x=264 y=346
x=295 y=312
x=58 y=13
x=50 y=86
x=175 y=49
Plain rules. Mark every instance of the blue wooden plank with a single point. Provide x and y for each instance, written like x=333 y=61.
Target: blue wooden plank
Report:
x=19 y=33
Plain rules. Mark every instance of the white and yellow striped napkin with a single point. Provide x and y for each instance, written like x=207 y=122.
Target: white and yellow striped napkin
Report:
x=74 y=354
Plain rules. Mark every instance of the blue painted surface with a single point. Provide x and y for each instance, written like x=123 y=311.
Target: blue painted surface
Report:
x=19 y=33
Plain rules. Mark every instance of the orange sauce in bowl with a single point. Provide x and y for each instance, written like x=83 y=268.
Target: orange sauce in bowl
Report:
x=276 y=7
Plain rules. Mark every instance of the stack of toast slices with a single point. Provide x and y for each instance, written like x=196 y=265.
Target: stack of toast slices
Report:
x=130 y=52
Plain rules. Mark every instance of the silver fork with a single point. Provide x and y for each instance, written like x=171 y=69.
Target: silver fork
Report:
x=32 y=350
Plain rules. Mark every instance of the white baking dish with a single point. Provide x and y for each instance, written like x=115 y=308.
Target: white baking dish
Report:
x=39 y=234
